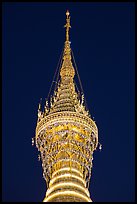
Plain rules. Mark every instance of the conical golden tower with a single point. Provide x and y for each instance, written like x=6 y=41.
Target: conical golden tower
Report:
x=66 y=137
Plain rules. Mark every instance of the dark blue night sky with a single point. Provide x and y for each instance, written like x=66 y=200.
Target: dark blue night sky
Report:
x=102 y=39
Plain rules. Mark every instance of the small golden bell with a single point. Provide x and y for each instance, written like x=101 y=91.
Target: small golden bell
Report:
x=38 y=157
x=32 y=141
x=100 y=146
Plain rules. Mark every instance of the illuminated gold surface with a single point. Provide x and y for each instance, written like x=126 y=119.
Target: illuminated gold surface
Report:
x=68 y=170
x=66 y=137
x=67 y=175
x=66 y=184
x=74 y=194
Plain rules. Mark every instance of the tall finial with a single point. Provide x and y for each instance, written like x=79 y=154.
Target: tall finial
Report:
x=67 y=25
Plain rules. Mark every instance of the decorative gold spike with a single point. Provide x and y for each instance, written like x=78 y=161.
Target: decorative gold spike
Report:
x=82 y=99
x=40 y=104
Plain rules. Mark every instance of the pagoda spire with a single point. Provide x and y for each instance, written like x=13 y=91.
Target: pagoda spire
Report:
x=66 y=97
x=66 y=137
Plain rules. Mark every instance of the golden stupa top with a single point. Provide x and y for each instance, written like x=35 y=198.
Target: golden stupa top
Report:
x=66 y=136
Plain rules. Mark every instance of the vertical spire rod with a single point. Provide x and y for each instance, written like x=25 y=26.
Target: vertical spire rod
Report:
x=67 y=25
